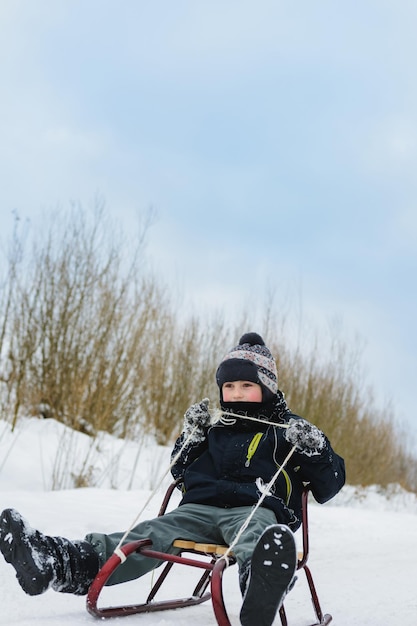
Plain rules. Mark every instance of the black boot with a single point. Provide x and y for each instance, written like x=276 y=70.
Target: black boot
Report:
x=42 y=562
x=265 y=583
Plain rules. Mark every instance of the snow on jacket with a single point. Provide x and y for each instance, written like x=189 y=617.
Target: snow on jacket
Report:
x=229 y=467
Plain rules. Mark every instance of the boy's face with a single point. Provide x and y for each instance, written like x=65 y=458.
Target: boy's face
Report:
x=242 y=391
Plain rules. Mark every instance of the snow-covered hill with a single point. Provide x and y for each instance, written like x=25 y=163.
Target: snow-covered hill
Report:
x=363 y=543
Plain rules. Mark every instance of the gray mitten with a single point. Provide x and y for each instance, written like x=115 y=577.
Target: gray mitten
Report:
x=197 y=417
x=306 y=437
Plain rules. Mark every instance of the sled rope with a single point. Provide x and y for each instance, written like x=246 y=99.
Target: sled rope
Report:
x=223 y=419
x=222 y=416
x=265 y=492
x=117 y=549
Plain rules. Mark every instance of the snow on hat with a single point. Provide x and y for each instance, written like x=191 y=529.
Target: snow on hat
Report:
x=250 y=360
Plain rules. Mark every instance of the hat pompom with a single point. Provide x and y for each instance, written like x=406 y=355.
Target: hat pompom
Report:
x=253 y=339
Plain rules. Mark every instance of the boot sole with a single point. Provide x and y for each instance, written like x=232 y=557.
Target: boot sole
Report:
x=33 y=576
x=273 y=566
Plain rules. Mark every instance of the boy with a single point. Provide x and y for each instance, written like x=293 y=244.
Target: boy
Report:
x=224 y=467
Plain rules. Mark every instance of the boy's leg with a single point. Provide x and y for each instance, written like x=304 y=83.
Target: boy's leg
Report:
x=266 y=555
x=231 y=521
x=195 y=522
x=269 y=576
x=41 y=561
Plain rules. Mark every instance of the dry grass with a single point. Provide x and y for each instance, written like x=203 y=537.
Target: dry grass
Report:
x=330 y=394
x=89 y=337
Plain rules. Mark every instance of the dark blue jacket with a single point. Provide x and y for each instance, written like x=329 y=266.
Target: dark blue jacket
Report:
x=228 y=469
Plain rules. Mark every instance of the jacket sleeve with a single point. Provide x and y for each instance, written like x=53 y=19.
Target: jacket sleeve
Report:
x=325 y=473
x=183 y=457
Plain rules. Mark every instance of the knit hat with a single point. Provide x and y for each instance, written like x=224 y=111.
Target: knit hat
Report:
x=250 y=360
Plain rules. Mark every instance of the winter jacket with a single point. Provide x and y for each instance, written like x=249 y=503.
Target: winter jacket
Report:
x=231 y=465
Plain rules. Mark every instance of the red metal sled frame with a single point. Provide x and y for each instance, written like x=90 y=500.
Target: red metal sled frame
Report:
x=212 y=575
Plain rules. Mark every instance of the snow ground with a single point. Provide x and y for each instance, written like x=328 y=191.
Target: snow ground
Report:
x=363 y=543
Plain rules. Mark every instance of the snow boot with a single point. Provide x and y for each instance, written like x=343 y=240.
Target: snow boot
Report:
x=42 y=562
x=266 y=578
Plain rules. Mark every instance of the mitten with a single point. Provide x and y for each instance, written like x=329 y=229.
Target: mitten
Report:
x=197 y=418
x=306 y=437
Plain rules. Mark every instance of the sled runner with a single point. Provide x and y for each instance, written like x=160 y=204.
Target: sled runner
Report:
x=209 y=584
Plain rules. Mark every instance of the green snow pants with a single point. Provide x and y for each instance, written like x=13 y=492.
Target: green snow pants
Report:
x=194 y=522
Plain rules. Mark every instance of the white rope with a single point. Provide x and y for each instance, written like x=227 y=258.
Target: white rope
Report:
x=120 y=554
x=265 y=492
x=222 y=418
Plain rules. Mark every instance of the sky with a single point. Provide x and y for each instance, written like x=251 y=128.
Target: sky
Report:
x=276 y=142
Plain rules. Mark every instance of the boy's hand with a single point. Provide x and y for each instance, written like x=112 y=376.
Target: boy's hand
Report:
x=197 y=416
x=306 y=437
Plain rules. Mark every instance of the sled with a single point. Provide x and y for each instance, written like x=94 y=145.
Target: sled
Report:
x=209 y=585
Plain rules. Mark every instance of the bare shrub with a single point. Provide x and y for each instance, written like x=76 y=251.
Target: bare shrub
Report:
x=328 y=390
x=89 y=337
x=181 y=368
x=77 y=325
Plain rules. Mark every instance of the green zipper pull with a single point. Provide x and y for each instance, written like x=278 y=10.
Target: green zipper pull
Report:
x=252 y=448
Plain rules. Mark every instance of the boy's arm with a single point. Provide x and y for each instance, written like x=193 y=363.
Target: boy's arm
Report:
x=315 y=460
x=324 y=473
x=186 y=455
x=194 y=435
